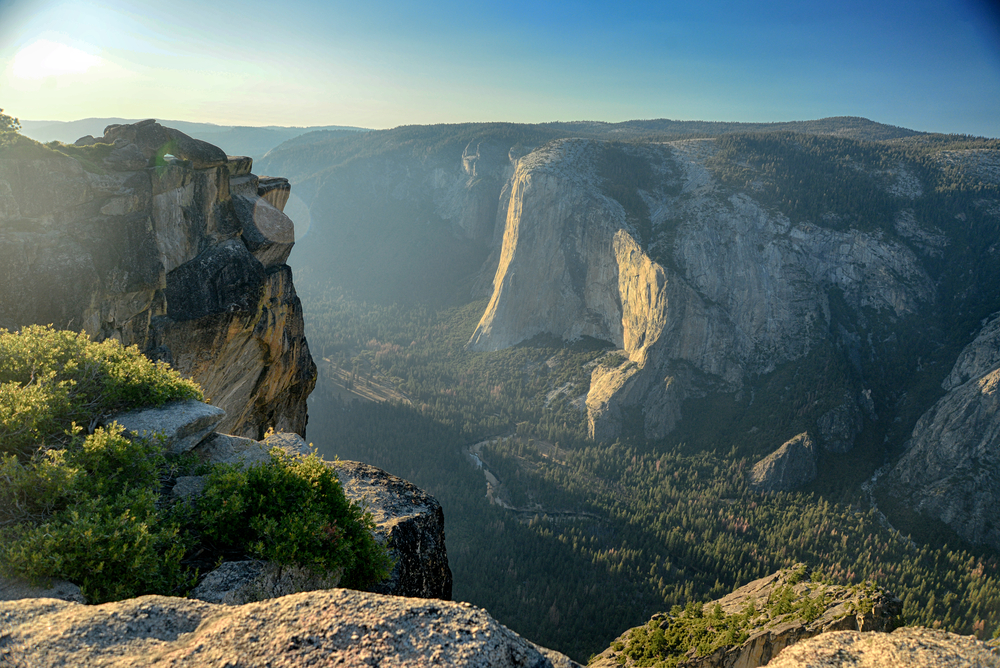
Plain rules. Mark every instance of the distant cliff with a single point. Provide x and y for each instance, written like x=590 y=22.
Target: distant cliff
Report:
x=163 y=241
x=701 y=286
x=951 y=467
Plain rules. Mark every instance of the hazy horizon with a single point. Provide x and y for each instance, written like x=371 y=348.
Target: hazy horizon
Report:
x=919 y=65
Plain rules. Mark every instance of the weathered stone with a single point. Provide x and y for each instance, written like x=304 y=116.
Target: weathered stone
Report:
x=267 y=232
x=223 y=279
x=13 y=589
x=333 y=627
x=239 y=582
x=842 y=609
x=245 y=452
x=274 y=189
x=411 y=521
x=912 y=647
x=155 y=141
x=790 y=466
x=106 y=253
x=126 y=158
x=183 y=424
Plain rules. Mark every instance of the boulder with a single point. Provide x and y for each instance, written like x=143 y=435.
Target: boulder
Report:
x=406 y=517
x=411 y=521
x=155 y=141
x=332 y=627
x=13 y=589
x=913 y=647
x=275 y=189
x=790 y=466
x=267 y=232
x=239 y=582
x=183 y=424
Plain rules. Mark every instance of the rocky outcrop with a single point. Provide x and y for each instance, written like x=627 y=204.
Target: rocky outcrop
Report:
x=412 y=523
x=859 y=608
x=718 y=288
x=334 y=627
x=913 y=647
x=407 y=518
x=162 y=241
x=951 y=467
x=790 y=466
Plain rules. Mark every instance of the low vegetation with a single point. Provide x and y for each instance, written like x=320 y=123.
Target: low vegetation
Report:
x=87 y=504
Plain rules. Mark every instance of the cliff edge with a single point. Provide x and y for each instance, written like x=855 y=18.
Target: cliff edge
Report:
x=159 y=240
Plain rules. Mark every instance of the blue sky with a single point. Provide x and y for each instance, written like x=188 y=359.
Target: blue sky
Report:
x=925 y=65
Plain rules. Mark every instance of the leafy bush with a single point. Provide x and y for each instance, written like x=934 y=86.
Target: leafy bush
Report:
x=292 y=511
x=52 y=379
x=89 y=513
x=89 y=508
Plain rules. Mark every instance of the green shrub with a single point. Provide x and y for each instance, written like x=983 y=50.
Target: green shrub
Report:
x=292 y=511
x=89 y=508
x=89 y=513
x=51 y=379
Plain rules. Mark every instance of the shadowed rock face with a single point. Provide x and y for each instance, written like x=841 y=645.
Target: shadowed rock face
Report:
x=149 y=248
x=951 y=468
x=334 y=627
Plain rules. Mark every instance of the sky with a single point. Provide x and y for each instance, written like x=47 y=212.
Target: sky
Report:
x=932 y=66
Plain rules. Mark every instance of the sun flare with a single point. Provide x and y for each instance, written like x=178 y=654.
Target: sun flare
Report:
x=45 y=58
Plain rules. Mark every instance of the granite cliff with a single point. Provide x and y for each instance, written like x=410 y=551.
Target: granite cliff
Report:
x=951 y=467
x=701 y=286
x=162 y=241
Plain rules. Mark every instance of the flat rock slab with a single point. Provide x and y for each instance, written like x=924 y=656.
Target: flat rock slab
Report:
x=184 y=424
x=325 y=628
x=913 y=647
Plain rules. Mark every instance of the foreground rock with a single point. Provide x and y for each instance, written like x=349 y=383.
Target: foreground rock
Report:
x=911 y=647
x=951 y=469
x=783 y=619
x=337 y=627
x=162 y=241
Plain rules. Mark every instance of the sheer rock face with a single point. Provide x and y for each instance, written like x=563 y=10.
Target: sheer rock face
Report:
x=721 y=288
x=790 y=466
x=151 y=249
x=772 y=632
x=332 y=627
x=951 y=468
